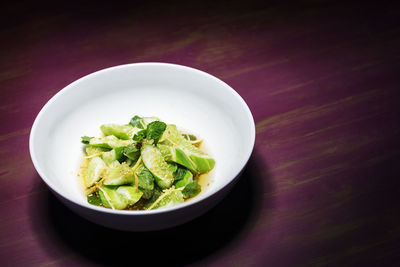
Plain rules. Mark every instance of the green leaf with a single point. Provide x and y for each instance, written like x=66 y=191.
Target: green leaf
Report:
x=179 y=173
x=119 y=154
x=147 y=193
x=192 y=189
x=146 y=179
x=139 y=136
x=85 y=139
x=187 y=179
x=156 y=193
x=130 y=149
x=94 y=199
x=155 y=130
x=132 y=152
x=136 y=122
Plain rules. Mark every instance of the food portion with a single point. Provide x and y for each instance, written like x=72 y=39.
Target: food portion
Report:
x=144 y=165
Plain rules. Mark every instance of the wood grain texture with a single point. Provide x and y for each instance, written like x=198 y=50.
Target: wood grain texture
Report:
x=321 y=79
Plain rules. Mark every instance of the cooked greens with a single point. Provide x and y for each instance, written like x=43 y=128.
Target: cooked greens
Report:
x=146 y=164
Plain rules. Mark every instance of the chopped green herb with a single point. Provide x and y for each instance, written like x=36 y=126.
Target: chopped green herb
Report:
x=85 y=139
x=155 y=130
x=131 y=152
x=136 y=122
x=139 y=136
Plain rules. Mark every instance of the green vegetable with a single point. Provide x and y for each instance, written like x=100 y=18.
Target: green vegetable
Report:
x=119 y=197
x=146 y=183
x=183 y=152
x=192 y=189
x=146 y=179
x=169 y=197
x=125 y=132
x=180 y=173
x=172 y=167
x=94 y=199
x=166 y=151
x=111 y=199
x=113 y=155
x=183 y=178
x=136 y=122
x=95 y=171
x=189 y=137
x=147 y=120
x=154 y=161
x=155 y=130
x=139 y=136
x=92 y=150
x=131 y=152
x=156 y=193
x=145 y=164
x=142 y=123
x=119 y=174
x=131 y=194
x=109 y=142
x=85 y=139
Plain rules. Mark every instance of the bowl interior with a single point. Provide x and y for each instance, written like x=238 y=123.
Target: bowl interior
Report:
x=189 y=98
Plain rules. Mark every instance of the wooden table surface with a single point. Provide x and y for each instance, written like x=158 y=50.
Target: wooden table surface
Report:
x=321 y=79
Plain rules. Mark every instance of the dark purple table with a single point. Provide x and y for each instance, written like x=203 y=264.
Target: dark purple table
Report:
x=322 y=81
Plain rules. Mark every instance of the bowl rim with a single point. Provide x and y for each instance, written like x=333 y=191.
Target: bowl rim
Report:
x=193 y=201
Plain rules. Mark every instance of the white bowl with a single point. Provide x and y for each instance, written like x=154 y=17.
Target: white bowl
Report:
x=189 y=98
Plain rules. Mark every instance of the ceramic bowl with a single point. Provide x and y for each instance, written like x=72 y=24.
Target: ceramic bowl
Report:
x=186 y=97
